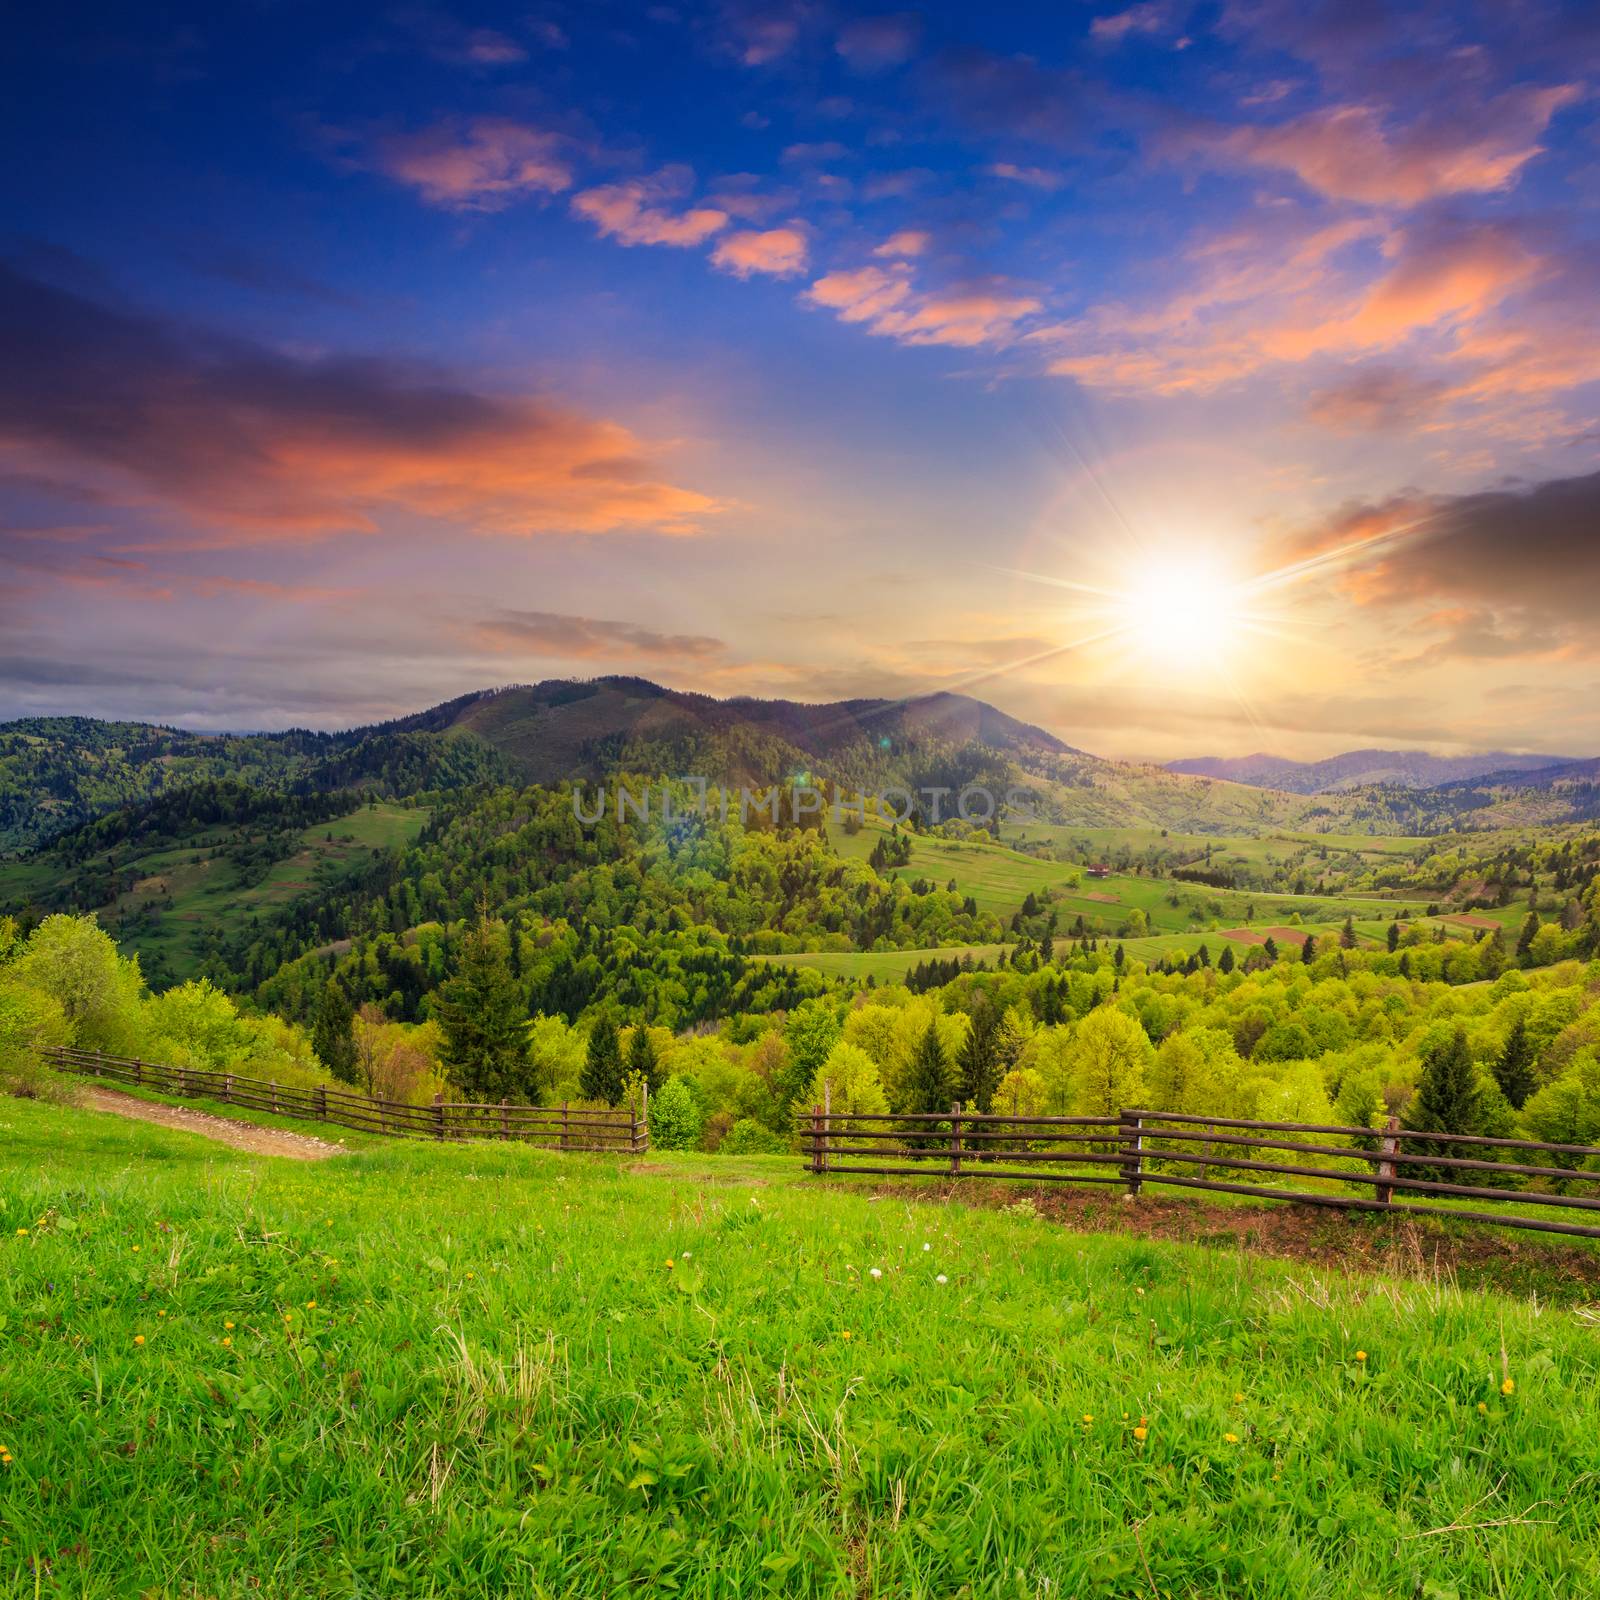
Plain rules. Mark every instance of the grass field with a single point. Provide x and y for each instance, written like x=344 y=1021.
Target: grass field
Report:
x=204 y=887
x=413 y=1371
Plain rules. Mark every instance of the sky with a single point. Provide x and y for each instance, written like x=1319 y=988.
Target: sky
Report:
x=1187 y=379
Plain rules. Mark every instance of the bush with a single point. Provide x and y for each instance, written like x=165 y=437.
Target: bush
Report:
x=674 y=1117
x=747 y=1137
x=30 y=1020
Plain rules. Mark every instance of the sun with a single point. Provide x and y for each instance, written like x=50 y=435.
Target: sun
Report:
x=1182 y=614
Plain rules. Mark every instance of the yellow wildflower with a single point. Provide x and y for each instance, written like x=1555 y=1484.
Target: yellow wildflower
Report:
x=227 y=1324
x=138 y=1338
x=1483 y=1410
x=1238 y=1399
x=1141 y=1434
x=227 y=1344
x=311 y=1305
x=1508 y=1386
x=1088 y=1417
x=1231 y=1438
x=1361 y=1355
x=22 y=1233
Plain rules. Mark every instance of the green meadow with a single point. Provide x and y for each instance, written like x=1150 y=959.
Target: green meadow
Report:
x=411 y=1371
x=179 y=891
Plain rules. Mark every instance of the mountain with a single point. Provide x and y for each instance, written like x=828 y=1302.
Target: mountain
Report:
x=58 y=774
x=1410 y=769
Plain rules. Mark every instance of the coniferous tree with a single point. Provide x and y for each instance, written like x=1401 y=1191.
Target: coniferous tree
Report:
x=1530 y=932
x=483 y=1020
x=927 y=1086
x=1448 y=1100
x=642 y=1058
x=1513 y=1067
x=333 y=1032
x=1393 y=936
x=976 y=1071
x=603 y=1073
x=1308 y=951
x=1347 y=934
x=1225 y=963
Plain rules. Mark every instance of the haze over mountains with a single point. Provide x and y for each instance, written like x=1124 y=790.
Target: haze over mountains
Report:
x=1414 y=769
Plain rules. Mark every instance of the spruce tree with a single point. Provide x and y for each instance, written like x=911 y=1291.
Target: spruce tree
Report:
x=480 y=1010
x=927 y=1085
x=977 y=1074
x=1393 y=936
x=1347 y=934
x=1513 y=1068
x=1530 y=932
x=1448 y=1100
x=1308 y=951
x=603 y=1073
x=642 y=1058
x=333 y=1032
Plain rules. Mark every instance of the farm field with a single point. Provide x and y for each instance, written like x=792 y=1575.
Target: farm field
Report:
x=472 y=1370
x=204 y=887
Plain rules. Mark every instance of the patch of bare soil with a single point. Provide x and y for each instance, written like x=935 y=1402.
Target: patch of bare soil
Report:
x=240 y=1135
x=1343 y=1241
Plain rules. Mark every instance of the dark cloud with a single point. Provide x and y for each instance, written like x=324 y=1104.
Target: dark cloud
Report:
x=255 y=444
x=1533 y=552
x=555 y=634
x=1376 y=397
x=1010 y=96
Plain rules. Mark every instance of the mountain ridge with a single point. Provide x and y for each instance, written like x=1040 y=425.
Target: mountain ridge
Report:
x=1358 y=768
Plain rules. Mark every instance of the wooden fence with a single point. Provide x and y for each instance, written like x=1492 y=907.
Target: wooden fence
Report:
x=1392 y=1170
x=553 y=1127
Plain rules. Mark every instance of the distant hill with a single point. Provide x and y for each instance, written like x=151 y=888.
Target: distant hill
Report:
x=1411 y=769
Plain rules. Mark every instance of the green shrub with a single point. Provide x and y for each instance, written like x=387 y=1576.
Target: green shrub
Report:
x=674 y=1117
x=747 y=1137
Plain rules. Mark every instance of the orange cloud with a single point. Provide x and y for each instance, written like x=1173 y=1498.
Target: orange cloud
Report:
x=637 y=211
x=557 y=635
x=254 y=444
x=908 y=242
x=484 y=166
x=778 y=252
x=1347 y=153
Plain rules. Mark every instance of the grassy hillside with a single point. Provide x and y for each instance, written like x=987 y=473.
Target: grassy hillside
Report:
x=177 y=897
x=484 y=1371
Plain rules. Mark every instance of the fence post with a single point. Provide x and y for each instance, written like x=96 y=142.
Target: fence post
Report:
x=644 y=1119
x=274 y=1087
x=505 y=1118
x=827 y=1121
x=1387 y=1146
x=227 y=1087
x=322 y=1102
x=563 y=1124
x=1131 y=1128
x=138 y=1068
x=955 y=1139
x=816 y=1138
x=438 y=1116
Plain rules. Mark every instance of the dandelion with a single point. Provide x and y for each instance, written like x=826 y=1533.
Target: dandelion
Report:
x=1230 y=1438
x=138 y=1338
x=1141 y=1434
x=227 y=1344
x=1361 y=1355
x=1508 y=1386
x=844 y=1333
x=136 y=1249
x=469 y=1274
x=877 y=1272
x=941 y=1279
x=161 y=1313
x=669 y=1261
x=1483 y=1410
x=227 y=1325
x=1238 y=1399
x=311 y=1305
x=1088 y=1417
x=22 y=1233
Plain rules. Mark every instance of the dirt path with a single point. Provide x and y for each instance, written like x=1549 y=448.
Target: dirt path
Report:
x=241 y=1135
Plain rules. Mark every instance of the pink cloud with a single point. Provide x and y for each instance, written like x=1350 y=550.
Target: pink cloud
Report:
x=639 y=211
x=872 y=44
x=485 y=165
x=906 y=243
x=1348 y=152
x=777 y=252
x=985 y=313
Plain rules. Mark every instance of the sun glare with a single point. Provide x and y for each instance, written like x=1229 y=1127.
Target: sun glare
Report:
x=1182 y=615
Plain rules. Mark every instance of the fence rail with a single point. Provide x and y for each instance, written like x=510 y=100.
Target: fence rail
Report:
x=552 y=1127
x=1264 y=1160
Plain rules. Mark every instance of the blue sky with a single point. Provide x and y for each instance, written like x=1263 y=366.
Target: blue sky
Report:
x=355 y=357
